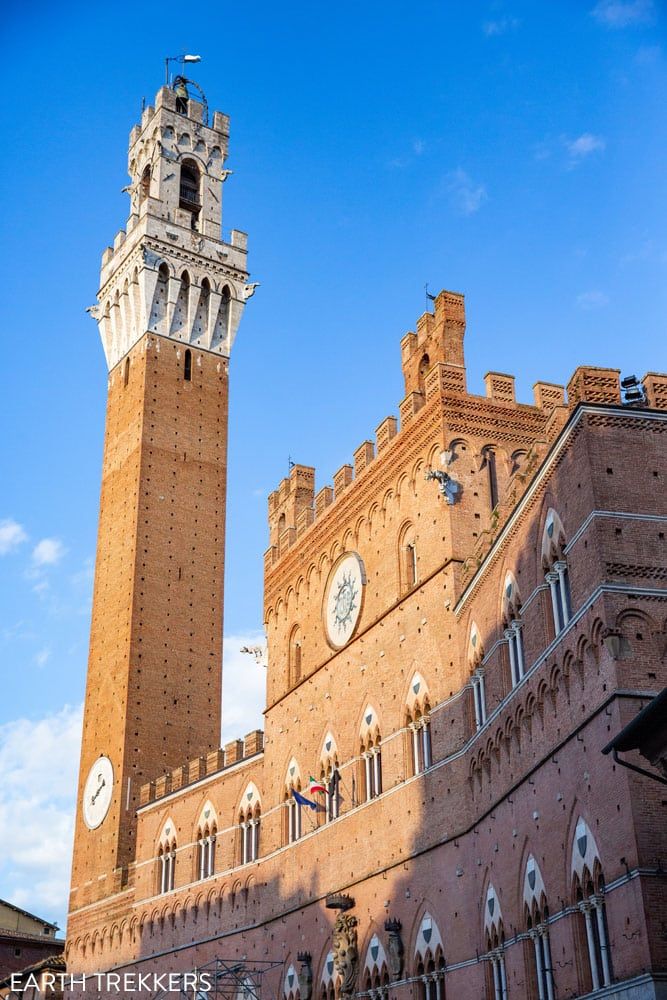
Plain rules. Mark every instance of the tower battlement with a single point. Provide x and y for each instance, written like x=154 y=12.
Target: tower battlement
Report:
x=169 y=272
x=434 y=367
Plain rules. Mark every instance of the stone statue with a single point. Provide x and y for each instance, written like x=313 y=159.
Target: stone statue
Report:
x=305 y=975
x=394 y=949
x=346 y=954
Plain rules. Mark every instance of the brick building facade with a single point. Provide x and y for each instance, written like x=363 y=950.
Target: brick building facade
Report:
x=440 y=658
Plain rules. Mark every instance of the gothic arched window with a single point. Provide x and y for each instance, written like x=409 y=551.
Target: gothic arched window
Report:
x=512 y=626
x=424 y=366
x=295 y=656
x=407 y=558
x=490 y=461
x=249 y=824
x=556 y=570
x=166 y=858
x=371 y=764
x=145 y=184
x=206 y=851
x=475 y=659
x=189 y=197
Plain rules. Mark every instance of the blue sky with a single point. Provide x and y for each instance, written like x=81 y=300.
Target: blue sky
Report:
x=512 y=151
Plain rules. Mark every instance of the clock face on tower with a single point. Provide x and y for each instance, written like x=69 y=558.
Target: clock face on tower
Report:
x=97 y=792
x=343 y=599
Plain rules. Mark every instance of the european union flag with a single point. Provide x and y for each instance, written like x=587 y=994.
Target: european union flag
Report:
x=303 y=801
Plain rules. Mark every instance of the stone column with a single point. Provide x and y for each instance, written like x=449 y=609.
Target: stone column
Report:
x=552 y=580
x=585 y=908
x=415 y=747
x=518 y=648
x=369 y=779
x=561 y=569
x=538 y=964
x=497 y=984
x=546 y=955
x=503 y=977
x=509 y=635
x=426 y=743
x=598 y=906
x=377 y=775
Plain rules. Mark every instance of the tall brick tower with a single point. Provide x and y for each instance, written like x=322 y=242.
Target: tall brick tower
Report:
x=170 y=300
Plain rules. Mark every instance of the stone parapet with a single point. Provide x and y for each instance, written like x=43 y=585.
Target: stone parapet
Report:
x=594 y=385
x=201 y=767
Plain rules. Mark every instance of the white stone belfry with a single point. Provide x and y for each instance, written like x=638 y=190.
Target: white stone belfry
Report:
x=169 y=272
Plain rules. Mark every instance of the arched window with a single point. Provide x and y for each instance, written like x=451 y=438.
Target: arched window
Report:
x=187 y=366
x=593 y=945
x=371 y=757
x=166 y=858
x=407 y=558
x=206 y=851
x=295 y=656
x=327 y=985
x=495 y=947
x=429 y=960
x=593 y=936
x=512 y=626
x=475 y=658
x=424 y=366
x=492 y=473
x=145 y=184
x=538 y=947
x=249 y=824
x=419 y=728
x=293 y=830
x=431 y=978
x=556 y=570
x=292 y=826
x=328 y=786
x=189 y=198
x=331 y=779
x=159 y=305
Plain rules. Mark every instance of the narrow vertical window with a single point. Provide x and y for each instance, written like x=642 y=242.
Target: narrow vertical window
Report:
x=145 y=184
x=126 y=372
x=493 y=478
x=411 y=567
x=187 y=367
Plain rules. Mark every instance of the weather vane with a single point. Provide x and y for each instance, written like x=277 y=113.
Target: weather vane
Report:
x=185 y=58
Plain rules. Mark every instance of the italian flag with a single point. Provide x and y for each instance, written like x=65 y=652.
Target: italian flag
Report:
x=315 y=786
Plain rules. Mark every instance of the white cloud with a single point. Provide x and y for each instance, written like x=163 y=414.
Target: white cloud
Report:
x=501 y=26
x=584 y=145
x=43 y=657
x=467 y=195
x=592 y=300
x=623 y=13
x=243 y=687
x=48 y=552
x=39 y=765
x=11 y=535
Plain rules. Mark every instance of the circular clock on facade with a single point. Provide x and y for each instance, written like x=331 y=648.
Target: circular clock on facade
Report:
x=343 y=599
x=97 y=792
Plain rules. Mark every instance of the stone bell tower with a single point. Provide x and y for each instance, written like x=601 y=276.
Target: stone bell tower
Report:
x=170 y=300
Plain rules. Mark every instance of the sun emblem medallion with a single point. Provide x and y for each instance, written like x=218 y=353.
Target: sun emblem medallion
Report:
x=343 y=599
